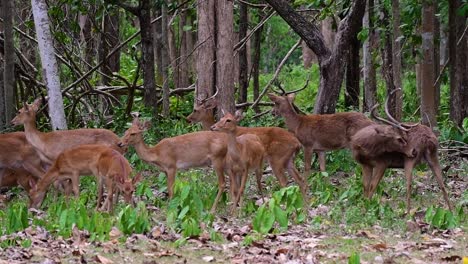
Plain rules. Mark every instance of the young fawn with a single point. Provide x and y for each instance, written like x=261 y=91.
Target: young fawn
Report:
x=245 y=153
x=108 y=165
x=192 y=150
x=16 y=177
x=318 y=133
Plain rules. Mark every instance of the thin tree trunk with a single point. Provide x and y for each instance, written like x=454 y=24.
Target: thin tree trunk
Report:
x=436 y=54
x=257 y=41
x=9 y=64
x=352 y=76
x=49 y=64
x=87 y=40
x=370 y=83
x=164 y=61
x=396 y=59
x=205 y=61
x=189 y=43
x=109 y=40
x=428 y=114
x=243 y=66
x=183 y=68
x=174 y=54
x=224 y=55
x=149 y=82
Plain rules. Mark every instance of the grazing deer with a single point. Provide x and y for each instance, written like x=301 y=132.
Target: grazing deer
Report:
x=17 y=153
x=50 y=145
x=192 y=150
x=402 y=146
x=318 y=133
x=16 y=177
x=280 y=145
x=244 y=153
x=108 y=165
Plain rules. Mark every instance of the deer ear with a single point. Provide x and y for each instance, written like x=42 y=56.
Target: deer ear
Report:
x=137 y=178
x=146 y=125
x=210 y=104
x=291 y=97
x=136 y=121
x=32 y=184
x=239 y=115
x=273 y=97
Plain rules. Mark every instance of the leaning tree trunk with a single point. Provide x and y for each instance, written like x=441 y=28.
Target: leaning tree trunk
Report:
x=369 y=76
x=428 y=113
x=9 y=65
x=205 y=61
x=224 y=55
x=49 y=64
x=331 y=63
x=396 y=59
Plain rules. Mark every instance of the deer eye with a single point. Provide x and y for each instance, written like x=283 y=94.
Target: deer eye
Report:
x=228 y=121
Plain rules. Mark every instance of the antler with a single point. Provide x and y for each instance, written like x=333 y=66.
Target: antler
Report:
x=375 y=116
x=387 y=112
x=283 y=92
x=202 y=101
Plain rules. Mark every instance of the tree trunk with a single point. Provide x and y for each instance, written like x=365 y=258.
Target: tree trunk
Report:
x=353 y=76
x=9 y=65
x=174 y=54
x=436 y=54
x=189 y=43
x=164 y=61
x=87 y=40
x=396 y=59
x=370 y=83
x=243 y=66
x=182 y=62
x=149 y=82
x=458 y=61
x=328 y=32
x=224 y=55
x=205 y=61
x=109 y=40
x=257 y=41
x=331 y=63
x=428 y=114
x=49 y=64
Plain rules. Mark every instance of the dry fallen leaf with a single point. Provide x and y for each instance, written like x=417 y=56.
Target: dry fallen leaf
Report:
x=103 y=260
x=114 y=233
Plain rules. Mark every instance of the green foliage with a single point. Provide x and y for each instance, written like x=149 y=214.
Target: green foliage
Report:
x=133 y=220
x=354 y=258
x=16 y=218
x=285 y=204
x=443 y=219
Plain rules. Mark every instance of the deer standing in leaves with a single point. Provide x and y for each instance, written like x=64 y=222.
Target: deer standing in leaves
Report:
x=192 y=150
x=107 y=164
x=244 y=153
x=280 y=145
x=396 y=145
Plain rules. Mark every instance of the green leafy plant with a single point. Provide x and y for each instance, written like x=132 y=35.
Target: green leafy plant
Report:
x=16 y=218
x=441 y=218
x=285 y=204
x=133 y=220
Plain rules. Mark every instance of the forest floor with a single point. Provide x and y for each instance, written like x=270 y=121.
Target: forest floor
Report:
x=409 y=240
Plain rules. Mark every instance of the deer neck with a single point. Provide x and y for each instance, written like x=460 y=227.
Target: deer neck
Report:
x=234 y=147
x=291 y=118
x=33 y=135
x=143 y=151
x=208 y=121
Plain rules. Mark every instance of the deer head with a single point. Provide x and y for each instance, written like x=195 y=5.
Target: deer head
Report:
x=133 y=134
x=203 y=108
x=127 y=187
x=228 y=123
x=27 y=112
x=283 y=104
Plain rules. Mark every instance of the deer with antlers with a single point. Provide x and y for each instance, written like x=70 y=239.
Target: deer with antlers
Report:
x=280 y=145
x=244 y=153
x=192 y=150
x=108 y=165
x=395 y=145
x=318 y=133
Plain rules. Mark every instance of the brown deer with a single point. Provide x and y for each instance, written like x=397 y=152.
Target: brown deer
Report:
x=244 y=153
x=17 y=153
x=402 y=146
x=108 y=165
x=50 y=145
x=192 y=150
x=318 y=133
x=16 y=177
x=280 y=145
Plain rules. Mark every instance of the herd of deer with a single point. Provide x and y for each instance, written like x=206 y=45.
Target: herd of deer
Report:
x=36 y=160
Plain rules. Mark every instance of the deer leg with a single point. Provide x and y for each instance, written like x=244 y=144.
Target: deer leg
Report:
x=409 y=166
x=322 y=160
x=219 y=168
x=278 y=170
x=170 y=173
x=433 y=162
x=297 y=177
x=110 y=195
x=75 y=181
x=377 y=175
x=258 y=176
x=366 y=178
x=245 y=174
x=307 y=160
